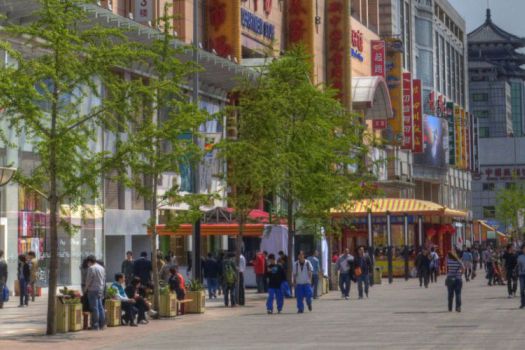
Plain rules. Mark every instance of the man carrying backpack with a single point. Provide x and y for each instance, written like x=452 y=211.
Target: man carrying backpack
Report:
x=302 y=275
x=229 y=279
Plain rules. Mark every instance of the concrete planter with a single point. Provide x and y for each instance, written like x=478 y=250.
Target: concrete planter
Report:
x=198 y=303
x=168 y=305
x=113 y=312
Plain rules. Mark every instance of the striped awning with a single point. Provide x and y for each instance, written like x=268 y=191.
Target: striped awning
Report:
x=396 y=206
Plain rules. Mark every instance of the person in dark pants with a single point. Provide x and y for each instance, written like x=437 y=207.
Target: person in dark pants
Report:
x=275 y=276
x=133 y=292
x=364 y=263
x=211 y=274
x=488 y=259
x=229 y=276
x=423 y=268
x=316 y=269
x=142 y=269
x=3 y=277
x=127 y=304
x=454 y=280
x=511 y=261
x=24 y=277
x=345 y=267
x=127 y=267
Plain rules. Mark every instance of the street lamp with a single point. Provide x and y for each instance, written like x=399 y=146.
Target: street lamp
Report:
x=6 y=174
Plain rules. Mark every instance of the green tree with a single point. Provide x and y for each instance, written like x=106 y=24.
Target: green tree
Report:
x=510 y=204
x=162 y=139
x=48 y=96
x=296 y=140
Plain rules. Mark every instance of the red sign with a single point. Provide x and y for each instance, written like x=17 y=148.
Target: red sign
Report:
x=418 y=117
x=407 y=112
x=379 y=124
x=378 y=58
x=432 y=102
x=441 y=106
x=336 y=47
x=357 y=40
x=267 y=6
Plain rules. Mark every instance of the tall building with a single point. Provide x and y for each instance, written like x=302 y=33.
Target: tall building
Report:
x=497 y=99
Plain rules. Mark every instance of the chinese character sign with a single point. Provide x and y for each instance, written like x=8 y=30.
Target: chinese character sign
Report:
x=378 y=58
x=300 y=21
x=393 y=66
x=224 y=25
x=337 y=60
x=143 y=11
x=418 y=117
x=451 y=133
x=407 y=111
x=457 y=130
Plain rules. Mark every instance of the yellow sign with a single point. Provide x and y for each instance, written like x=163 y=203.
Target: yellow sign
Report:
x=394 y=78
x=224 y=28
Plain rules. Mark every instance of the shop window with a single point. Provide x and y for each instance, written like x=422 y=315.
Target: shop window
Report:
x=489 y=186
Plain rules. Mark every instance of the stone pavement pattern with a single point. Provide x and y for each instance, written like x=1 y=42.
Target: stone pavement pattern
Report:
x=400 y=316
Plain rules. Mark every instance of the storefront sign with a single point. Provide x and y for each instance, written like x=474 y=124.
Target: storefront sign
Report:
x=458 y=133
x=267 y=6
x=418 y=118
x=451 y=133
x=257 y=25
x=393 y=68
x=379 y=124
x=337 y=60
x=357 y=45
x=504 y=173
x=300 y=21
x=143 y=10
x=407 y=112
x=224 y=22
x=378 y=58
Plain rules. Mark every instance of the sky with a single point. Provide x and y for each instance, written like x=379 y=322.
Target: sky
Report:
x=507 y=14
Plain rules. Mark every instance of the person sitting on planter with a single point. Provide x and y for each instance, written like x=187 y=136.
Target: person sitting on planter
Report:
x=132 y=291
x=128 y=304
x=176 y=283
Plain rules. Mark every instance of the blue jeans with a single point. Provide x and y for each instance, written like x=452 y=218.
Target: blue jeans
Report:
x=360 y=280
x=276 y=293
x=344 y=283
x=455 y=289
x=24 y=296
x=212 y=283
x=98 y=317
x=303 y=291
x=522 y=290
x=315 y=284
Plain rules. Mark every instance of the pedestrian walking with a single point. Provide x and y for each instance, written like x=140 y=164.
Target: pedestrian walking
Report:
x=521 y=274
x=302 y=277
x=475 y=261
x=142 y=269
x=229 y=273
x=423 y=267
x=242 y=269
x=511 y=262
x=314 y=261
x=363 y=266
x=33 y=268
x=345 y=266
x=211 y=274
x=24 y=278
x=259 y=266
x=467 y=261
x=434 y=265
x=95 y=284
x=275 y=276
x=127 y=267
x=488 y=260
x=454 y=280
x=3 y=278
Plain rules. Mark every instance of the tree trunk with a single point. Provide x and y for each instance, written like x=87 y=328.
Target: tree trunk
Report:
x=238 y=245
x=291 y=237
x=53 y=222
x=154 y=265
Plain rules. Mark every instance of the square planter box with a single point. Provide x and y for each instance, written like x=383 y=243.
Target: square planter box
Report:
x=62 y=315
x=75 y=317
x=198 y=303
x=113 y=312
x=168 y=305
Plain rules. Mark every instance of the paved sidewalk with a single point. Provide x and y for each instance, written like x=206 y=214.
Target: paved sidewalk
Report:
x=398 y=316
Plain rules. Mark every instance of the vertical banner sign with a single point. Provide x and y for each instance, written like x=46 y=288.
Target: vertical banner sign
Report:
x=467 y=140
x=457 y=130
x=300 y=21
x=393 y=69
x=337 y=38
x=464 y=132
x=378 y=69
x=407 y=112
x=224 y=27
x=418 y=117
x=143 y=11
x=451 y=133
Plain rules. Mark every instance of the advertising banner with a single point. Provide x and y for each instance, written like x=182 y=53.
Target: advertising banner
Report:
x=418 y=117
x=393 y=68
x=224 y=27
x=378 y=69
x=143 y=11
x=457 y=132
x=468 y=137
x=435 y=146
x=300 y=22
x=451 y=133
x=407 y=112
x=337 y=62
x=464 y=133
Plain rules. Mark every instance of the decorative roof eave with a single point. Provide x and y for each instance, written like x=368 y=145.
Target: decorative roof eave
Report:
x=490 y=28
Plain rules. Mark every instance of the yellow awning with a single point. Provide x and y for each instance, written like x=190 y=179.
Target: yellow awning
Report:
x=396 y=206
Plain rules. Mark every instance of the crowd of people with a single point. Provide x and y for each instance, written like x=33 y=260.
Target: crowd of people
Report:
x=27 y=275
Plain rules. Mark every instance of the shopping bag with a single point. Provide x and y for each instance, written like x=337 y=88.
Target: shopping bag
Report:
x=5 y=294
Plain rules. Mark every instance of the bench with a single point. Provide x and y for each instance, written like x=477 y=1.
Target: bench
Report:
x=180 y=305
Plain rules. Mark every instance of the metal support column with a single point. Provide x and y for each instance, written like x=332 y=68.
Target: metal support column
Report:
x=405 y=248
x=389 y=248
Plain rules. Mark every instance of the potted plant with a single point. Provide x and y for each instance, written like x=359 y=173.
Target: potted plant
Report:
x=168 y=303
x=195 y=292
x=113 y=308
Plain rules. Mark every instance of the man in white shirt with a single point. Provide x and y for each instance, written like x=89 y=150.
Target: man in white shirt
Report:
x=242 y=268
x=302 y=277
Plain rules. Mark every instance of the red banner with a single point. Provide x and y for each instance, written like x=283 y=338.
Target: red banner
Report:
x=337 y=60
x=378 y=58
x=407 y=112
x=379 y=124
x=418 y=117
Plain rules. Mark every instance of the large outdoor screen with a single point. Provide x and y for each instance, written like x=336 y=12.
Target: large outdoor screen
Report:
x=435 y=142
